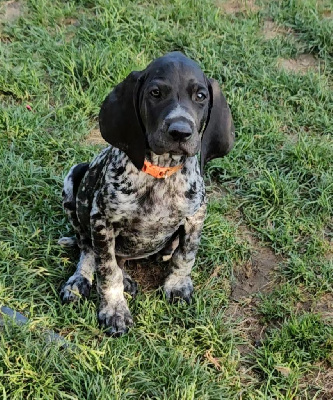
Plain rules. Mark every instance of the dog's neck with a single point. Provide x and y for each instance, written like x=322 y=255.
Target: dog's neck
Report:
x=165 y=160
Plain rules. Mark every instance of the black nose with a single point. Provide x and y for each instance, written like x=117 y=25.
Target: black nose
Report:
x=180 y=131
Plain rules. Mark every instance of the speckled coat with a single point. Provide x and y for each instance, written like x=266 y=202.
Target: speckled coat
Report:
x=118 y=211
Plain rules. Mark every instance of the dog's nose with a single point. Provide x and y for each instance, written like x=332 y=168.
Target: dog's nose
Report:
x=180 y=131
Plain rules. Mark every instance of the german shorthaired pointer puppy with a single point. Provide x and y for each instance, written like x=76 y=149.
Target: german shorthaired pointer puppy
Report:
x=145 y=193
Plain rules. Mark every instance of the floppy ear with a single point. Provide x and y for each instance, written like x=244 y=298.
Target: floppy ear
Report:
x=219 y=134
x=120 y=121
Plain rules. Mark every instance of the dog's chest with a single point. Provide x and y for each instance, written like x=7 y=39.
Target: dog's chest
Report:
x=145 y=212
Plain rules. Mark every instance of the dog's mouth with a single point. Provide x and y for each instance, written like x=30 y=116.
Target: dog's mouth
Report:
x=181 y=149
x=161 y=145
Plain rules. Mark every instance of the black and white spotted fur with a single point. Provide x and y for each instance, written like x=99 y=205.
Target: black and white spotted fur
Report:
x=164 y=114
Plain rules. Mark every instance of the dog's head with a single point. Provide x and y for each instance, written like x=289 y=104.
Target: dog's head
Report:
x=170 y=107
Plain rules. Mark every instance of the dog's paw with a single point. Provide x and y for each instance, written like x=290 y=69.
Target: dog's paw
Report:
x=130 y=286
x=115 y=318
x=178 y=288
x=75 y=288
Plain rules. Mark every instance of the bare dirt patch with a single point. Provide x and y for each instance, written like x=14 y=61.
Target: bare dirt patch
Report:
x=95 y=137
x=301 y=65
x=271 y=30
x=148 y=273
x=70 y=24
x=319 y=382
x=256 y=275
x=215 y=192
x=324 y=307
x=327 y=14
x=244 y=317
x=10 y=11
x=246 y=323
x=328 y=236
x=291 y=135
x=234 y=7
x=71 y=21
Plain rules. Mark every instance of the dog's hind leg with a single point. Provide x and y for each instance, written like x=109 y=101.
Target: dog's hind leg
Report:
x=71 y=185
x=79 y=284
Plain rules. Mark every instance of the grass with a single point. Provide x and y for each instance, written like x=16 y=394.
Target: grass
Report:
x=61 y=59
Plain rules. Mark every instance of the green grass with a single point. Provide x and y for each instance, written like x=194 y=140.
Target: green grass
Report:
x=62 y=58
x=289 y=351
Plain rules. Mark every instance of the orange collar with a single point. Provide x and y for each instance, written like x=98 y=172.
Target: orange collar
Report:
x=159 y=172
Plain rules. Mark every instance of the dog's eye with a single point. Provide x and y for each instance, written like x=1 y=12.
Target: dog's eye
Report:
x=155 y=93
x=199 y=96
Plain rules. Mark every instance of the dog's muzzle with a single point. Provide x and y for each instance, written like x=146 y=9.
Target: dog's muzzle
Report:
x=180 y=131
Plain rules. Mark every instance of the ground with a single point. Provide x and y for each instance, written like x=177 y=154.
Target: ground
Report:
x=260 y=323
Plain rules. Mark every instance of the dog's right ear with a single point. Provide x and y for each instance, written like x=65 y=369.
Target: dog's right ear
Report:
x=219 y=135
x=119 y=119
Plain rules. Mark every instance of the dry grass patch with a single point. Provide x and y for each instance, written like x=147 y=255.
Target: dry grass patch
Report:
x=95 y=137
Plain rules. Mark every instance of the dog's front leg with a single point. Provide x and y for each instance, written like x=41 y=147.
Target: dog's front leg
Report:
x=178 y=285
x=114 y=314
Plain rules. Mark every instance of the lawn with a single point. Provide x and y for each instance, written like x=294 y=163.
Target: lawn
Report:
x=260 y=325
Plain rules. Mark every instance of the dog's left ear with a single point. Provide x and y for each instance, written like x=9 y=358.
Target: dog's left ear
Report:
x=119 y=119
x=219 y=134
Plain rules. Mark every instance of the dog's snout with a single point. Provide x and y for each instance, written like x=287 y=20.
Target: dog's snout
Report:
x=180 y=131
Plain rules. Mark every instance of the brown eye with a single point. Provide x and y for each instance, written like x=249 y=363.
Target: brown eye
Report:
x=200 y=97
x=155 y=93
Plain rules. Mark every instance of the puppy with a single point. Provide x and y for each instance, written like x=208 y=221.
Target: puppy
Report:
x=145 y=193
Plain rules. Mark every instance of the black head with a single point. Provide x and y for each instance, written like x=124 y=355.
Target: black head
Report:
x=170 y=107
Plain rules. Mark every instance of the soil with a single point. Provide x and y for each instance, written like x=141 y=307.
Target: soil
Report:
x=71 y=21
x=10 y=11
x=148 y=273
x=256 y=275
x=301 y=65
x=234 y=7
x=271 y=30
x=327 y=14
x=319 y=382
x=324 y=307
